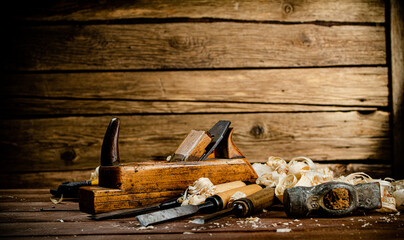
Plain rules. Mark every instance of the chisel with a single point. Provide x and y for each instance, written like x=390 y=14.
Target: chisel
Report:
x=214 y=203
x=244 y=207
x=124 y=213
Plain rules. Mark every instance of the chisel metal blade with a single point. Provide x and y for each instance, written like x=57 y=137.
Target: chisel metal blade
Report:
x=214 y=216
x=217 y=132
x=165 y=215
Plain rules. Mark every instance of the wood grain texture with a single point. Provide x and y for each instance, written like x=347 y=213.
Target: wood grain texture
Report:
x=397 y=88
x=75 y=142
x=135 y=178
x=98 y=199
x=271 y=10
x=193 y=91
x=95 y=199
x=33 y=107
x=391 y=232
x=68 y=225
x=191 y=45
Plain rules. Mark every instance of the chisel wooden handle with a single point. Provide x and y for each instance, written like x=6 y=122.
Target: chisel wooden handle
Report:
x=224 y=197
x=255 y=202
x=227 y=186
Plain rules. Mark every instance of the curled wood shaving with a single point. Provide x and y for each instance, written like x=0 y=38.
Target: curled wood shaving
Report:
x=235 y=196
x=197 y=192
x=270 y=179
x=386 y=192
x=302 y=171
x=277 y=164
x=355 y=178
x=57 y=201
x=397 y=185
x=95 y=174
x=399 y=197
x=288 y=181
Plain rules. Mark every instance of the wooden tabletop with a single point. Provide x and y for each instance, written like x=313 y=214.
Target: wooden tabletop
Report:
x=21 y=217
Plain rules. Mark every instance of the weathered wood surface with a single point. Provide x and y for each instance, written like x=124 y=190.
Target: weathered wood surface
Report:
x=270 y=10
x=69 y=225
x=397 y=72
x=42 y=179
x=363 y=86
x=34 y=107
x=290 y=75
x=73 y=143
x=196 y=45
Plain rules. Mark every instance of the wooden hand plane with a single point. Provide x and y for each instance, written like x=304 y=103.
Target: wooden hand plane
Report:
x=210 y=154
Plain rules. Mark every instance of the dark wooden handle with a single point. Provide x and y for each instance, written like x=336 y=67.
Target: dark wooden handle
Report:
x=229 y=185
x=262 y=199
x=247 y=190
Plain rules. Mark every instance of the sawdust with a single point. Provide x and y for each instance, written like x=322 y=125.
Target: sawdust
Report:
x=337 y=198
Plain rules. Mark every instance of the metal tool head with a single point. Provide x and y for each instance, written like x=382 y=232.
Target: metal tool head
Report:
x=166 y=215
x=331 y=199
x=217 y=133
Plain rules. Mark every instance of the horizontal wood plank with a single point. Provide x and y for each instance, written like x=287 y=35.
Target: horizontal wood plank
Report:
x=42 y=179
x=73 y=143
x=191 y=45
x=322 y=234
x=17 y=224
x=365 y=86
x=53 y=179
x=260 y=10
x=32 y=107
x=54 y=227
x=35 y=206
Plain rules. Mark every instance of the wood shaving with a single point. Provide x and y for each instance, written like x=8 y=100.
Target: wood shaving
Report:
x=399 y=197
x=235 y=196
x=302 y=171
x=57 y=201
x=95 y=174
x=288 y=181
x=144 y=228
x=197 y=192
x=270 y=179
x=260 y=169
x=277 y=164
x=283 y=230
x=386 y=192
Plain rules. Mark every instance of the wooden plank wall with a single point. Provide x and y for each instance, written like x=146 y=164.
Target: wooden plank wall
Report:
x=295 y=78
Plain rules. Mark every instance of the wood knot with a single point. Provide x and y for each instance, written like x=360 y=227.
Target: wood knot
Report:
x=257 y=131
x=186 y=43
x=287 y=8
x=305 y=40
x=69 y=156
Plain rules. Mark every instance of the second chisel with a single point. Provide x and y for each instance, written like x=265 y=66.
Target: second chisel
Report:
x=244 y=207
x=214 y=203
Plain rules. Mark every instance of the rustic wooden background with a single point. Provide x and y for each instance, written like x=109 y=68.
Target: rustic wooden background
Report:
x=296 y=78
